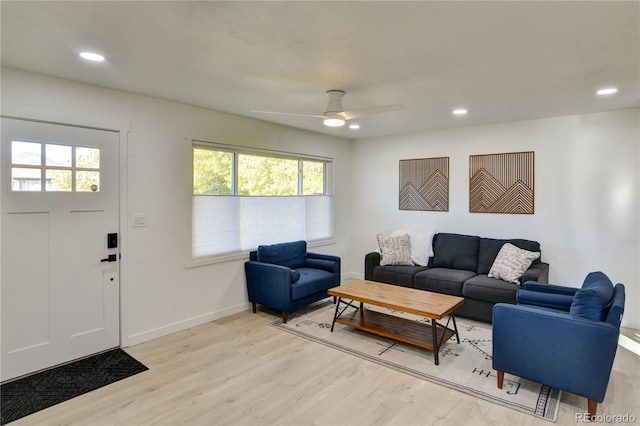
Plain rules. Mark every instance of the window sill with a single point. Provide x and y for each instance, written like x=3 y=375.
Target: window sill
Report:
x=244 y=255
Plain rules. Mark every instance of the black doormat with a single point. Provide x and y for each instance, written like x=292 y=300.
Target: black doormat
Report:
x=50 y=387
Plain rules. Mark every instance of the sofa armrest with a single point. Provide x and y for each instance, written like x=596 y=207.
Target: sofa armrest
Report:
x=267 y=281
x=554 y=348
x=371 y=260
x=544 y=299
x=536 y=272
x=548 y=288
x=325 y=262
x=321 y=256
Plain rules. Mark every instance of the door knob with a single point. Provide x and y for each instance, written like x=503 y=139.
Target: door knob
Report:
x=111 y=258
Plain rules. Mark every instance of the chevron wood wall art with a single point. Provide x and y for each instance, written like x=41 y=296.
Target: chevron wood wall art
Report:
x=501 y=183
x=424 y=184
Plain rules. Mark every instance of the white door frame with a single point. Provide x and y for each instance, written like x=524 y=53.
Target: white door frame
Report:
x=123 y=130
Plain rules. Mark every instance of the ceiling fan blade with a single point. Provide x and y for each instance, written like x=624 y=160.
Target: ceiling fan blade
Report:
x=289 y=113
x=349 y=115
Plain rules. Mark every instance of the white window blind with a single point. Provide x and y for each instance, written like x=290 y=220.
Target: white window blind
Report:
x=318 y=217
x=227 y=224
x=215 y=225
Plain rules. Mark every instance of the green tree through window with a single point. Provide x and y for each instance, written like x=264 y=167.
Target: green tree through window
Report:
x=257 y=175
x=212 y=172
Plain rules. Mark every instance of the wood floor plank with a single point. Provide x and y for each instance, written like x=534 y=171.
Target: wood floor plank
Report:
x=241 y=371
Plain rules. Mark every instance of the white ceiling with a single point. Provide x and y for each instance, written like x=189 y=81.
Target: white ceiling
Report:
x=502 y=61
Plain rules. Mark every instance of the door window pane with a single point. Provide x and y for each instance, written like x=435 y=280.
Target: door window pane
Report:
x=58 y=180
x=26 y=153
x=58 y=155
x=87 y=181
x=26 y=179
x=87 y=158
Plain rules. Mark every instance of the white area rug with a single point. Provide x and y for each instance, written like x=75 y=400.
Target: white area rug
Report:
x=465 y=367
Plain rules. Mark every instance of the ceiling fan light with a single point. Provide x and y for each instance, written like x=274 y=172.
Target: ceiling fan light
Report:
x=334 y=122
x=333 y=119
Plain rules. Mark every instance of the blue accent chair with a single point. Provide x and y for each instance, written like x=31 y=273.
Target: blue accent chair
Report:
x=562 y=337
x=286 y=276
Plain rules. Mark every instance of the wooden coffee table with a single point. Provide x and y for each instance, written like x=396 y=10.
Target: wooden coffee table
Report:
x=434 y=306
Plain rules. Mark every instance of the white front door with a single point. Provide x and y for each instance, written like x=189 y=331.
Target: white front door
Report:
x=60 y=287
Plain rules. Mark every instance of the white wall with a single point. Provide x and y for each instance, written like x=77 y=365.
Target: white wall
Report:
x=586 y=193
x=161 y=294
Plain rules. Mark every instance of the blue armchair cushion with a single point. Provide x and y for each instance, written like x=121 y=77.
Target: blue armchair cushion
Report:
x=312 y=281
x=292 y=255
x=326 y=265
x=592 y=301
x=295 y=276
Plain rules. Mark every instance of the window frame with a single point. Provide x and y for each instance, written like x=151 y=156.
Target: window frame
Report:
x=237 y=150
x=43 y=167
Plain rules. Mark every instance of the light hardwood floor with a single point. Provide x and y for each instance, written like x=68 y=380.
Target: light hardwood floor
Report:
x=241 y=371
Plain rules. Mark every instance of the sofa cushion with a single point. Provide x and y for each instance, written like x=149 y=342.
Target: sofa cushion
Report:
x=395 y=250
x=421 y=244
x=291 y=255
x=511 y=263
x=593 y=299
x=311 y=281
x=401 y=275
x=489 y=249
x=481 y=287
x=442 y=280
x=455 y=251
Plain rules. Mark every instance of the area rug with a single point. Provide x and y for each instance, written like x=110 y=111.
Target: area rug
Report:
x=50 y=387
x=465 y=367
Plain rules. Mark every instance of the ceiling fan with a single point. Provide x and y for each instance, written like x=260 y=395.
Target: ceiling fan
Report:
x=334 y=114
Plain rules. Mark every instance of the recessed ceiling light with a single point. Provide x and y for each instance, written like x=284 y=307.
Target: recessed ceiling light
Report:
x=607 y=91
x=90 y=56
x=354 y=126
x=460 y=111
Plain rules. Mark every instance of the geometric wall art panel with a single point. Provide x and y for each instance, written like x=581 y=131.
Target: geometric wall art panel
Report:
x=501 y=183
x=424 y=184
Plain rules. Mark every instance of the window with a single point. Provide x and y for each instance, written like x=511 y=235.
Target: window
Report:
x=38 y=167
x=244 y=198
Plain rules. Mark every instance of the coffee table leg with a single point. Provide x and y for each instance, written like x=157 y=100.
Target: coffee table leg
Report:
x=335 y=315
x=434 y=331
x=455 y=327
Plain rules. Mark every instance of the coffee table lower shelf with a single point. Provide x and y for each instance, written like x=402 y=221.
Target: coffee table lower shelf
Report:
x=404 y=330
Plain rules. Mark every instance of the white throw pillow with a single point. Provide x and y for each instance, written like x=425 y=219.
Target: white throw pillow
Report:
x=395 y=250
x=421 y=244
x=511 y=263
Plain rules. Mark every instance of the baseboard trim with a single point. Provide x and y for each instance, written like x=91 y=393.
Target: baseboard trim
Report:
x=145 y=336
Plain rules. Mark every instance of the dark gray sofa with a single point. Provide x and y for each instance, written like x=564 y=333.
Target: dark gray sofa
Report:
x=459 y=267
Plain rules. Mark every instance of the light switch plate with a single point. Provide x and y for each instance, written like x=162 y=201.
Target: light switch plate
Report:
x=139 y=220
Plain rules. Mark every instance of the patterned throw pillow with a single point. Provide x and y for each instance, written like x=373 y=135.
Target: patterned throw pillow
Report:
x=511 y=263
x=395 y=250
